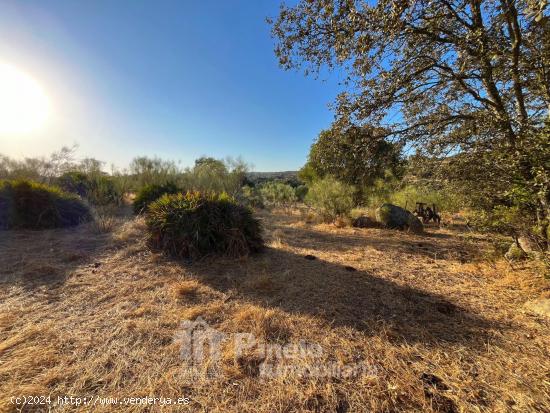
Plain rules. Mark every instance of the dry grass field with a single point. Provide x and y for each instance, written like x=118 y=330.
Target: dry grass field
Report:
x=441 y=327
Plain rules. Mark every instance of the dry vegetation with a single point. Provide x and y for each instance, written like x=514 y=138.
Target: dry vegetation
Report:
x=86 y=312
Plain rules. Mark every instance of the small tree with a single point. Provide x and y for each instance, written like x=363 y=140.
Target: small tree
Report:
x=354 y=155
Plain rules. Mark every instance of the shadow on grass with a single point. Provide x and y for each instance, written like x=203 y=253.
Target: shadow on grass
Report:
x=432 y=245
x=35 y=259
x=341 y=297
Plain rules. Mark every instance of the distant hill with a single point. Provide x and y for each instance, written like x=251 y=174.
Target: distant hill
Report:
x=290 y=177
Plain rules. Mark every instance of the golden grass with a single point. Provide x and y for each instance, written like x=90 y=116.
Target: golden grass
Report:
x=444 y=329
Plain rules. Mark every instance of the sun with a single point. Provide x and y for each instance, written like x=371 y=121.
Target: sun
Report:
x=24 y=105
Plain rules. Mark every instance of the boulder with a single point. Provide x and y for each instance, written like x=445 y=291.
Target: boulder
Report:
x=365 y=221
x=392 y=216
x=528 y=245
x=515 y=253
x=540 y=307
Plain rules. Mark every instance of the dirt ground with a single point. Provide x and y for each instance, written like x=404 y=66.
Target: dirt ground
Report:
x=421 y=322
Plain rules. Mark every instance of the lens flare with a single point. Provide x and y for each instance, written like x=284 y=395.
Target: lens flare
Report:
x=24 y=105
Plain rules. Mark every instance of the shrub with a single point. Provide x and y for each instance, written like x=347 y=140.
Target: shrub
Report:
x=30 y=205
x=408 y=196
x=97 y=188
x=330 y=198
x=193 y=225
x=104 y=191
x=301 y=192
x=278 y=193
x=74 y=182
x=391 y=190
x=150 y=171
x=251 y=197
x=152 y=192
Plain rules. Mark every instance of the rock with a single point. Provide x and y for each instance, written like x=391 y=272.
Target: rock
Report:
x=528 y=245
x=515 y=253
x=365 y=221
x=392 y=216
x=540 y=307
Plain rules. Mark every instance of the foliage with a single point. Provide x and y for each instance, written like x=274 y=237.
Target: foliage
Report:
x=251 y=197
x=410 y=194
x=308 y=174
x=330 y=198
x=194 y=224
x=301 y=192
x=215 y=175
x=415 y=187
x=494 y=184
x=105 y=190
x=152 y=192
x=96 y=187
x=354 y=155
x=469 y=79
x=31 y=205
x=501 y=219
x=74 y=182
x=148 y=171
x=278 y=193
x=381 y=190
x=44 y=170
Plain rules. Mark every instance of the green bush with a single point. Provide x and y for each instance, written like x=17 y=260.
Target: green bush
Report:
x=278 y=193
x=408 y=196
x=152 y=192
x=152 y=171
x=330 y=198
x=97 y=188
x=74 y=182
x=30 y=205
x=104 y=191
x=193 y=225
x=301 y=192
x=251 y=196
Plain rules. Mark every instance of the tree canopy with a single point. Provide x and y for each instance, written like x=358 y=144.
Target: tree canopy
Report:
x=467 y=77
x=354 y=155
x=458 y=71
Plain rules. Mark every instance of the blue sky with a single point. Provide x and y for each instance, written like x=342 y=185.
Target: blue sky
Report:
x=178 y=79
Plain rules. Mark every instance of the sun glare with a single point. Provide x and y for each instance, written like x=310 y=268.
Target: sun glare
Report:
x=24 y=106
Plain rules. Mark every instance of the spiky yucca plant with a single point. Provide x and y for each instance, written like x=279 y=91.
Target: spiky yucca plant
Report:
x=195 y=224
x=31 y=205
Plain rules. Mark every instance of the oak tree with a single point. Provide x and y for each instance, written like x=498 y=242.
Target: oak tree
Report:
x=451 y=77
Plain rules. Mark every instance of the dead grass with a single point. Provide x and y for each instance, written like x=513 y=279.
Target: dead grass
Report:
x=442 y=328
x=188 y=289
